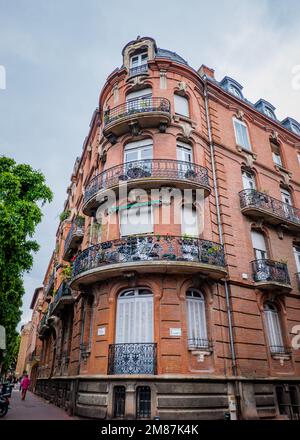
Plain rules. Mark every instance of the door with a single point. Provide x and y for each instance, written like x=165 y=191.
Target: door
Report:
x=185 y=158
x=259 y=245
x=248 y=180
x=287 y=203
x=138 y=159
x=139 y=101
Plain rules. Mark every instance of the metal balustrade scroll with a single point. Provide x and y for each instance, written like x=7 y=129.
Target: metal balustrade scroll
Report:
x=132 y=358
x=147 y=168
x=262 y=201
x=149 y=248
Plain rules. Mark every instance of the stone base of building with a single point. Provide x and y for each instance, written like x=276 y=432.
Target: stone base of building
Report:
x=168 y=398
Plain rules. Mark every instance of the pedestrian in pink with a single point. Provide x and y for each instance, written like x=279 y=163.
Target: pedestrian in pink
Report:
x=24 y=385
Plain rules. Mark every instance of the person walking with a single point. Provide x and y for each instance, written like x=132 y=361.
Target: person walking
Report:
x=24 y=385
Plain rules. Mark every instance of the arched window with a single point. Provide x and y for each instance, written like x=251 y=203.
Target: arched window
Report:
x=241 y=134
x=134 y=319
x=181 y=104
x=273 y=328
x=196 y=320
x=248 y=179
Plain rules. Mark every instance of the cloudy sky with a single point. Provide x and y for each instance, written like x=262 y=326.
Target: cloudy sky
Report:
x=58 y=53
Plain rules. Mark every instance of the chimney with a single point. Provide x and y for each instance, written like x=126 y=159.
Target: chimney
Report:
x=207 y=71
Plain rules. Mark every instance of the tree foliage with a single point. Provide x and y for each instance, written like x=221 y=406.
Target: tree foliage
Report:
x=22 y=193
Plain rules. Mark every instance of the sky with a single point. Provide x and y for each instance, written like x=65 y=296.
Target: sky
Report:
x=57 y=54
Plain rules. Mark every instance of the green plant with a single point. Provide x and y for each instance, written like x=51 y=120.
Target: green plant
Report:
x=66 y=272
x=22 y=193
x=64 y=215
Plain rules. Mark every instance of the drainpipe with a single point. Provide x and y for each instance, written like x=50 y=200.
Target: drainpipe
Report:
x=226 y=284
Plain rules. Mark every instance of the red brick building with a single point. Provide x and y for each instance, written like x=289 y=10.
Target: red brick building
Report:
x=179 y=319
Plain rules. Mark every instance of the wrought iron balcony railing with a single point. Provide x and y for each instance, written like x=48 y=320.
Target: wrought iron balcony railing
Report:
x=200 y=344
x=49 y=286
x=139 y=358
x=135 y=107
x=147 y=168
x=270 y=271
x=63 y=290
x=280 y=350
x=139 y=70
x=263 y=202
x=75 y=236
x=149 y=248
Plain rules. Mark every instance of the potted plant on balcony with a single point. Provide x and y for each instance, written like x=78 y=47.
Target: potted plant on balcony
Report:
x=64 y=215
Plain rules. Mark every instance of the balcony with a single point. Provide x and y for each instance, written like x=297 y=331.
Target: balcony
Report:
x=62 y=297
x=270 y=275
x=145 y=173
x=132 y=358
x=149 y=254
x=139 y=70
x=200 y=344
x=43 y=325
x=74 y=238
x=135 y=114
x=280 y=350
x=261 y=205
x=49 y=287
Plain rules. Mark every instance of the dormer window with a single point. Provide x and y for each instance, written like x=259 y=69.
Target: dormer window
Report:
x=269 y=113
x=232 y=86
x=139 y=63
x=296 y=129
x=235 y=91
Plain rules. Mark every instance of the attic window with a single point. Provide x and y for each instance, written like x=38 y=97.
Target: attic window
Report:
x=296 y=129
x=268 y=112
x=235 y=91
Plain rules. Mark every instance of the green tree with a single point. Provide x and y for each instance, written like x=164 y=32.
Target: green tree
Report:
x=22 y=194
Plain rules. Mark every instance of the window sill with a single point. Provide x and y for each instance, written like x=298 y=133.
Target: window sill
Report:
x=244 y=150
x=280 y=168
x=178 y=118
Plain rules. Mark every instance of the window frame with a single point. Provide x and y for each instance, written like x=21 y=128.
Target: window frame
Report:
x=243 y=124
x=187 y=104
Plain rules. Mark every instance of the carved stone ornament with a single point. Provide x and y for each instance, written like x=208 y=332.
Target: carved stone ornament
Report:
x=250 y=159
x=240 y=115
x=186 y=128
x=274 y=136
x=182 y=86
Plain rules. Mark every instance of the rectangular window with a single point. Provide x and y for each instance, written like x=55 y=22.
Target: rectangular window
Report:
x=136 y=221
x=143 y=403
x=119 y=402
x=181 y=105
x=259 y=245
x=248 y=180
x=241 y=134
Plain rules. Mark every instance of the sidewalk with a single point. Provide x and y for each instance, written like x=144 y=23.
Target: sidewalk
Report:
x=34 y=408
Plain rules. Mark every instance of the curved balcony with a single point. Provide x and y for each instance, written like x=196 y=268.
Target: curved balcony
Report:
x=149 y=254
x=149 y=173
x=74 y=239
x=62 y=297
x=271 y=275
x=260 y=205
x=135 y=114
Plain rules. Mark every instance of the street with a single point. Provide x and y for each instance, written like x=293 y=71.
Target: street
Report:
x=33 y=408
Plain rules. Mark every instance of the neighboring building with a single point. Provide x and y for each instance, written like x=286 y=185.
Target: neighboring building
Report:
x=175 y=320
x=22 y=356
x=30 y=345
